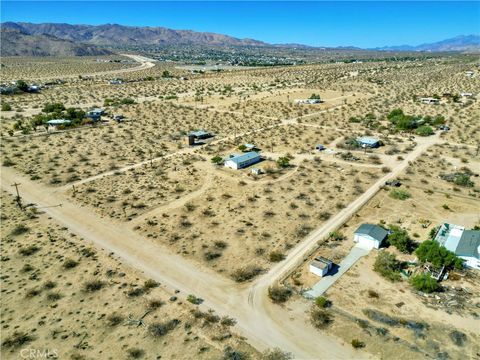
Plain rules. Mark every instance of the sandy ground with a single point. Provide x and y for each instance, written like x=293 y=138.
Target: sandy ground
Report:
x=175 y=236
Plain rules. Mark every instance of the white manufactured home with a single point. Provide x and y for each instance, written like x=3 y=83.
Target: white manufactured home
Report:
x=241 y=161
x=431 y=101
x=464 y=243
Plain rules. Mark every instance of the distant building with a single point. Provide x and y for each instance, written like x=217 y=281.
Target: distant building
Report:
x=464 y=243
x=430 y=101
x=95 y=114
x=200 y=134
x=58 y=122
x=320 y=266
x=368 y=141
x=319 y=147
x=469 y=73
x=466 y=94
x=307 y=101
x=241 y=161
x=370 y=236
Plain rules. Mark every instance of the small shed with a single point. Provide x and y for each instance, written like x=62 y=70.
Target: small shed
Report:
x=320 y=266
x=320 y=147
x=256 y=171
x=370 y=235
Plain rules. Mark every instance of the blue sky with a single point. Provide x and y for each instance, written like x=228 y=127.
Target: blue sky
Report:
x=342 y=23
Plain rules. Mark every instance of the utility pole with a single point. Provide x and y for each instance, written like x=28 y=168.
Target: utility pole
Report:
x=18 y=198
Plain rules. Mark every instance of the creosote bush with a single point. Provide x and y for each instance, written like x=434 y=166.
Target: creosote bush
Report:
x=279 y=294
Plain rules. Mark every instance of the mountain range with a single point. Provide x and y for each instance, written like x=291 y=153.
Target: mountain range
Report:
x=28 y=39
x=17 y=43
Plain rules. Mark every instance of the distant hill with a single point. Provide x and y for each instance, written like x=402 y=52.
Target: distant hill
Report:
x=113 y=34
x=462 y=43
x=17 y=43
x=119 y=35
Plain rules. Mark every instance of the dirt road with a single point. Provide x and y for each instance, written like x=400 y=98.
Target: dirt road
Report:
x=265 y=325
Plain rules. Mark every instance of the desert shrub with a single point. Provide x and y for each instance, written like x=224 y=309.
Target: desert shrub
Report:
x=425 y=283
x=246 y=273
x=54 y=296
x=230 y=353
x=29 y=250
x=8 y=162
x=212 y=255
x=276 y=354
x=458 y=337
x=155 y=304
x=162 y=329
x=135 y=292
x=114 y=319
x=320 y=318
x=19 y=229
x=93 y=285
x=322 y=302
x=279 y=294
x=69 y=264
x=220 y=244
x=135 y=353
x=400 y=239
x=431 y=251
x=336 y=235
x=399 y=194
x=194 y=300
x=357 y=343
x=387 y=265
x=373 y=294
x=276 y=256
x=217 y=160
x=150 y=284
x=227 y=321
x=17 y=339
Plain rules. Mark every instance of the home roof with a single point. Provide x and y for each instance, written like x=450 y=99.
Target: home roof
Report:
x=449 y=236
x=58 y=122
x=199 y=133
x=321 y=263
x=469 y=244
x=375 y=231
x=367 y=140
x=244 y=157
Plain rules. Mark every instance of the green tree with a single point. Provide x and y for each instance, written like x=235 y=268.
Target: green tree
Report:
x=387 y=265
x=283 y=162
x=53 y=108
x=425 y=130
x=22 y=85
x=6 y=107
x=242 y=147
x=431 y=251
x=425 y=283
x=166 y=74
x=217 y=160
x=400 y=239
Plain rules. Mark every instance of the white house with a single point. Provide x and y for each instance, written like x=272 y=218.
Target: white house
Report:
x=464 y=243
x=428 y=100
x=466 y=94
x=320 y=266
x=307 y=101
x=370 y=236
x=240 y=161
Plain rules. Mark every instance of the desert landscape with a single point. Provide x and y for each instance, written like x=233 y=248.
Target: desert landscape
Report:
x=161 y=203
